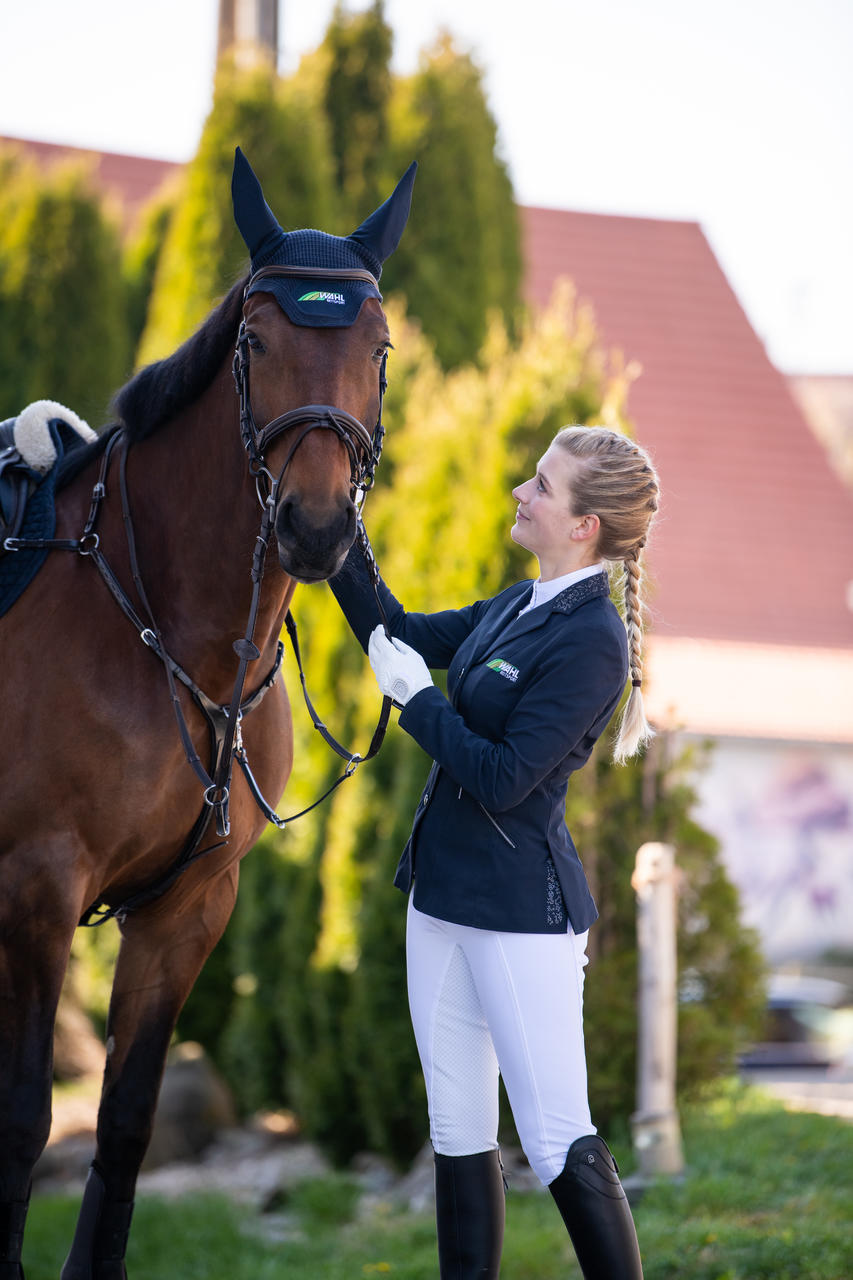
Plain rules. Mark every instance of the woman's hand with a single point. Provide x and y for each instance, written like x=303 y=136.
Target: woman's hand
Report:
x=399 y=669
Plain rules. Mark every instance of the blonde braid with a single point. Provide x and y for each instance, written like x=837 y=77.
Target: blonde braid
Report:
x=617 y=482
x=634 y=729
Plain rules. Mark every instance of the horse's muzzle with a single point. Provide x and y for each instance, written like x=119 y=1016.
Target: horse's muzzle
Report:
x=312 y=551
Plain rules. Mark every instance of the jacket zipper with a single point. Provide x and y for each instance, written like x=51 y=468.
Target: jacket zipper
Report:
x=497 y=826
x=494 y=823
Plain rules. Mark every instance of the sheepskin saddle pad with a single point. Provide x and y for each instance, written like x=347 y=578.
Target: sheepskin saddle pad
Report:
x=31 y=448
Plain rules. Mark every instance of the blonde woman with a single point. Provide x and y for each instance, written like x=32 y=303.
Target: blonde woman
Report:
x=499 y=907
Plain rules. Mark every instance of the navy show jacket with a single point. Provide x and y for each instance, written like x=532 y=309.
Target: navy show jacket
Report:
x=527 y=698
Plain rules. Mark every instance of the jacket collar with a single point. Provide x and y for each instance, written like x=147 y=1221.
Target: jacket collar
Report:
x=598 y=584
x=507 y=625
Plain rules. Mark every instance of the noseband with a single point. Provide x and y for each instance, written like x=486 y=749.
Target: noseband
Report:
x=364 y=448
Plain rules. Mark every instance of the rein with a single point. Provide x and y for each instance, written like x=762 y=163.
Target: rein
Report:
x=224 y=722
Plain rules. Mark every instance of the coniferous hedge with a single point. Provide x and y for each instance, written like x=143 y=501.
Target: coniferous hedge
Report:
x=461 y=256
x=356 y=86
x=142 y=257
x=63 y=314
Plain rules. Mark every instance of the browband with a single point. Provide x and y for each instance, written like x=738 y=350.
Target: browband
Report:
x=315 y=273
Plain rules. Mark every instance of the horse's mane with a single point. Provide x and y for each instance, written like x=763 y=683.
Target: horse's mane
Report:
x=161 y=390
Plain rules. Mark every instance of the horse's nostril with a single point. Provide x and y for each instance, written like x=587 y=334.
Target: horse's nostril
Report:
x=284 y=519
x=349 y=522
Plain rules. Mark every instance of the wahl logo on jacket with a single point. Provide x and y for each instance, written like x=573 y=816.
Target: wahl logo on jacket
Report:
x=503 y=668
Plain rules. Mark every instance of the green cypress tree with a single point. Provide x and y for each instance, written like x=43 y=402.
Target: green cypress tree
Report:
x=282 y=131
x=356 y=57
x=460 y=257
x=62 y=297
x=142 y=256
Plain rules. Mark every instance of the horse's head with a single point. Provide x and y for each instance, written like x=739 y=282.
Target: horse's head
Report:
x=310 y=366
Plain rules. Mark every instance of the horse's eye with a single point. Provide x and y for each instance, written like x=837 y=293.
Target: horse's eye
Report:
x=254 y=342
x=379 y=352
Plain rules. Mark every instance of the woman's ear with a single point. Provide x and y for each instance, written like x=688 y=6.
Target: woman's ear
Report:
x=585 y=528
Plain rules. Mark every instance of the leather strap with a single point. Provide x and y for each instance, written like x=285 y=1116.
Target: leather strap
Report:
x=314 y=273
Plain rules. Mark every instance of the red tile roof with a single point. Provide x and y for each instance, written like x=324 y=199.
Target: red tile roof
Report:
x=755 y=539
x=133 y=180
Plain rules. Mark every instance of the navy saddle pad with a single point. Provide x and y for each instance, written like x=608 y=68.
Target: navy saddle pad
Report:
x=18 y=568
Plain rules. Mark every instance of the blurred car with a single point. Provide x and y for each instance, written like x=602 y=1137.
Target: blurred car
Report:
x=808 y=1023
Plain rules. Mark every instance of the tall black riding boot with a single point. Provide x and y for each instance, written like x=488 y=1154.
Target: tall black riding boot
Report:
x=13 y=1215
x=470 y=1206
x=100 y=1241
x=595 y=1209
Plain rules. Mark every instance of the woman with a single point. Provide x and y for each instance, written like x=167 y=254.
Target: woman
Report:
x=498 y=919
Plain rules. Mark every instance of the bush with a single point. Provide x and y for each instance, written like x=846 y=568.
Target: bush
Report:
x=62 y=297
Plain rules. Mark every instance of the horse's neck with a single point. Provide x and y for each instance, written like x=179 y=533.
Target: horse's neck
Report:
x=197 y=518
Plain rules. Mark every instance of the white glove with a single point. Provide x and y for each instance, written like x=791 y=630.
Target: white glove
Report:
x=399 y=669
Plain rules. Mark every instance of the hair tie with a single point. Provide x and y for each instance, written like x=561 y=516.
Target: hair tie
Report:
x=636 y=683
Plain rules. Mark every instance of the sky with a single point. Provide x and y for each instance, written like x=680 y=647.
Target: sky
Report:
x=737 y=114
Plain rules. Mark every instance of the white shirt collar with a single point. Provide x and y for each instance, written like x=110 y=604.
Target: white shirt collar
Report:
x=544 y=591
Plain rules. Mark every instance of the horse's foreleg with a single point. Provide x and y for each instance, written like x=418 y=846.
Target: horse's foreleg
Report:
x=34 y=947
x=161 y=955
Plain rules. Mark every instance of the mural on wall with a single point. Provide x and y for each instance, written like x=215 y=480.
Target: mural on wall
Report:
x=784 y=815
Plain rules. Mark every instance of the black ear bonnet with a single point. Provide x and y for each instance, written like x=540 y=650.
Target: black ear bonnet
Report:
x=321 y=301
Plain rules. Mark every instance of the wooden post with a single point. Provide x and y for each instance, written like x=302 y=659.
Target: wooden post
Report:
x=654 y=1125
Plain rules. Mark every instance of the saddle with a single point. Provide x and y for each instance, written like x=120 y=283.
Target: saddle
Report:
x=31 y=447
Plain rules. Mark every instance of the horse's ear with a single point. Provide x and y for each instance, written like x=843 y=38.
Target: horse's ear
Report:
x=381 y=232
x=255 y=220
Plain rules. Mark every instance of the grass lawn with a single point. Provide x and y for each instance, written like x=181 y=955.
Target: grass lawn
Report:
x=767 y=1194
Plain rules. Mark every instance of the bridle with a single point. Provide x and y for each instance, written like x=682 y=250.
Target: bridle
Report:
x=364 y=447
x=365 y=450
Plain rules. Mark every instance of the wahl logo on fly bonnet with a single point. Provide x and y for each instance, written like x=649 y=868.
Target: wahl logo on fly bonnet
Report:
x=321 y=302
x=317 y=296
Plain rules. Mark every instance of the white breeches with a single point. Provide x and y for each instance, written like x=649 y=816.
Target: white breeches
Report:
x=485 y=1004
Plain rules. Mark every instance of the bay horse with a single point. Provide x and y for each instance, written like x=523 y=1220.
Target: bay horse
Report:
x=105 y=798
